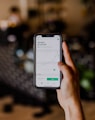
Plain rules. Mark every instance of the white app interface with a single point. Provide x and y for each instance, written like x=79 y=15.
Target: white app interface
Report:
x=47 y=58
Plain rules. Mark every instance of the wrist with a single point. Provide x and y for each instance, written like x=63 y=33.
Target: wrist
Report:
x=73 y=109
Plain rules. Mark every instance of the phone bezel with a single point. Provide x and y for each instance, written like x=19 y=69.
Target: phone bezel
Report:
x=34 y=48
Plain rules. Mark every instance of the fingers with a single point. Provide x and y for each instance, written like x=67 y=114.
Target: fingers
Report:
x=64 y=69
x=58 y=91
x=67 y=56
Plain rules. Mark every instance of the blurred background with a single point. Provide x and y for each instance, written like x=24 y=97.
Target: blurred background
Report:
x=19 y=21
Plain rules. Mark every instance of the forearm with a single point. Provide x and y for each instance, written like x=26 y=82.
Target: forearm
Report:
x=73 y=111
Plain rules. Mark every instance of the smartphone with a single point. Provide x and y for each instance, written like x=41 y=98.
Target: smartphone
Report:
x=47 y=54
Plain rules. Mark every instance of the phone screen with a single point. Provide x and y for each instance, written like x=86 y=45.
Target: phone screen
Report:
x=48 y=54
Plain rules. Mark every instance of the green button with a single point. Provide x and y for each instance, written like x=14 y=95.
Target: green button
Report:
x=52 y=79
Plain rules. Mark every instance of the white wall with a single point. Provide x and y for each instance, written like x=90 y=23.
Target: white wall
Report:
x=5 y=6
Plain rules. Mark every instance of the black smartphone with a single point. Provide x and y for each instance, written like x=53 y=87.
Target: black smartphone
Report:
x=47 y=54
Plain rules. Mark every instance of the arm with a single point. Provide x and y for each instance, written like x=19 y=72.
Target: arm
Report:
x=73 y=110
x=68 y=94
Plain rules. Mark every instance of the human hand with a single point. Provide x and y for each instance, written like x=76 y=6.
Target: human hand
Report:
x=68 y=94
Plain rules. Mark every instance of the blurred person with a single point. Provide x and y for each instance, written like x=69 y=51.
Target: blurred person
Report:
x=15 y=21
x=56 y=26
x=3 y=32
x=68 y=94
x=34 y=20
x=23 y=39
x=15 y=16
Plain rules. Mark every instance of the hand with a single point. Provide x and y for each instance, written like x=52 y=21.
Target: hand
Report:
x=68 y=94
